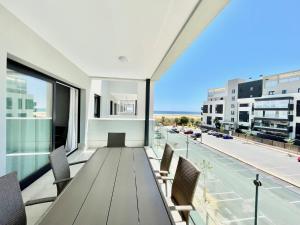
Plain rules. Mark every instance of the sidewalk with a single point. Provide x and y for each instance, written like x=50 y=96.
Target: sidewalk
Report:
x=271 y=160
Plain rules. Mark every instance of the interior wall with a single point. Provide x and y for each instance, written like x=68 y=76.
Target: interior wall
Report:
x=21 y=44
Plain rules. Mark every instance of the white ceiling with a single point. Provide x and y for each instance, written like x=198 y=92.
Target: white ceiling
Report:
x=94 y=34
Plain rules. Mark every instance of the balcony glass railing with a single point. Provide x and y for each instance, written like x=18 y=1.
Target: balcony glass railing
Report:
x=226 y=193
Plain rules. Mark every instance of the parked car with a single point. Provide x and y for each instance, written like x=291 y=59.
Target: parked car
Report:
x=204 y=130
x=188 y=132
x=227 y=136
x=211 y=132
x=219 y=135
x=196 y=135
x=174 y=130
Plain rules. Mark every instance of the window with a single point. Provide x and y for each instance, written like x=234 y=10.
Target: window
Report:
x=283 y=92
x=243 y=116
x=205 y=109
x=298 y=90
x=232 y=105
x=97 y=100
x=208 y=120
x=232 y=112
x=219 y=109
x=210 y=109
x=233 y=91
x=298 y=108
x=232 y=120
x=271 y=92
x=29 y=104
x=233 y=98
x=8 y=103
x=33 y=135
x=251 y=88
x=22 y=114
x=20 y=103
x=244 y=105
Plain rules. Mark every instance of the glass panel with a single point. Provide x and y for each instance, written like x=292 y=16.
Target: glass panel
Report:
x=28 y=123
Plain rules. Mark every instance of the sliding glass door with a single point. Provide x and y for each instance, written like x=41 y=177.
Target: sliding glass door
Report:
x=28 y=122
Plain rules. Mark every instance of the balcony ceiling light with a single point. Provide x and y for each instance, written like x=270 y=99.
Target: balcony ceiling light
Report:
x=122 y=59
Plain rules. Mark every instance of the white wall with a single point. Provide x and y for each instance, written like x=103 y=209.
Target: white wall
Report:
x=23 y=45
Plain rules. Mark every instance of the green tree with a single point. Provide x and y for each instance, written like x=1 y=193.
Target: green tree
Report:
x=184 y=120
x=217 y=123
x=177 y=121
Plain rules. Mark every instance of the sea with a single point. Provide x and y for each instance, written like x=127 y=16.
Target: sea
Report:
x=176 y=113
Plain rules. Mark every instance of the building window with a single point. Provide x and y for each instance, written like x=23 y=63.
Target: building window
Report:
x=298 y=90
x=232 y=120
x=29 y=104
x=244 y=105
x=20 y=103
x=208 y=120
x=219 y=109
x=8 y=103
x=210 y=109
x=22 y=115
x=221 y=98
x=205 y=109
x=251 y=88
x=271 y=92
x=283 y=91
x=233 y=91
x=232 y=112
x=244 y=116
x=298 y=108
x=232 y=105
x=233 y=98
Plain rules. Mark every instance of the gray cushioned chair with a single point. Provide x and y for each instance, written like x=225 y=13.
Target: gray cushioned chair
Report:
x=183 y=188
x=12 y=208
x=116 y=140
x=61 y=168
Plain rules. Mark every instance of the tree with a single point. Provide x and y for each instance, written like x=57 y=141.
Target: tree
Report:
x=217 y=123
x=177 y=121
x=184 y=120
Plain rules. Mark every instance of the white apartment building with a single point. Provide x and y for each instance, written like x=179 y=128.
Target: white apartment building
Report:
x=222 y=104
x=269 y=105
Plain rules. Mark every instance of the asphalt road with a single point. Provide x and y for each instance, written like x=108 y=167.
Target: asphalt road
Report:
x=229 y=182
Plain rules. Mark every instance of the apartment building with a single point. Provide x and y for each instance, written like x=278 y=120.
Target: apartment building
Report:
x=222 y=104
x=269 y=105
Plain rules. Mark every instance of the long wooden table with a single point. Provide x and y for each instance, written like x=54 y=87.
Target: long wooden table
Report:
x=115 y=187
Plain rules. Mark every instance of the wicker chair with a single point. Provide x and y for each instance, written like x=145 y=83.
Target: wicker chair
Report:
x=61 y=168
x=12 y=208
x=183 y=188
x=116 y=140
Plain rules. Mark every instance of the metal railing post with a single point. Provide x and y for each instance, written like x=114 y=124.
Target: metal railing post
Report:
x=187 y=146
x=257 y=184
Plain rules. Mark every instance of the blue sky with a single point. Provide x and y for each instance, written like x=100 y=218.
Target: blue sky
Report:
x=247 y=39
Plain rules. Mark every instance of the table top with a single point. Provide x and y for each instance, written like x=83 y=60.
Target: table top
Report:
x=116 y=186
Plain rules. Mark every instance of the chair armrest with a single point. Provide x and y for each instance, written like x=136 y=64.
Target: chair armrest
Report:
x=161 y=171
x=164 y=178
x=150 y=157
x=78 y=162
x=62 y=180
x=39 y=201
x=182 y=207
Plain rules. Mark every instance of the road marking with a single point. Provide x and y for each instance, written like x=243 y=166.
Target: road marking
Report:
x=240 y=220
x=222 y=193
x=228 y=200
x=270 y=188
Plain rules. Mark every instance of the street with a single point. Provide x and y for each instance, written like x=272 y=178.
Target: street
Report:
x=230 y=191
